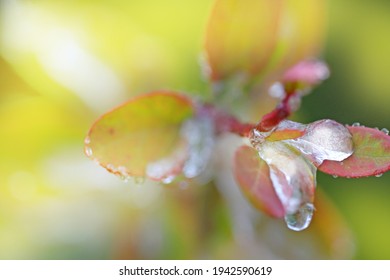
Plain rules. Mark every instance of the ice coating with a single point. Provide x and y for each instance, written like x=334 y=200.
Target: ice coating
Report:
x=324 y=140
x=292 y=175
x=199 y=134
x=293 y=162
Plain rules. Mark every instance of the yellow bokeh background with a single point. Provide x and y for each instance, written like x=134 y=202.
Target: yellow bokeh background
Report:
x=64 y=63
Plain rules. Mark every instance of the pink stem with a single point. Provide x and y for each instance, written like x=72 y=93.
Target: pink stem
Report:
x=225 y=122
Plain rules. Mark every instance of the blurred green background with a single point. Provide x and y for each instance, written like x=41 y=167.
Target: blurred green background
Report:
x=64 y=63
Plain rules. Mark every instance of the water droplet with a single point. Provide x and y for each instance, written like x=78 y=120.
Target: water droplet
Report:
x=335 y=176
x=385 y=131
x=110 y=167
x=139 y=180
x=124 y=178
x=356 y=124
x=168 y=180
x=277 y=91
x=300 y=219
x=87 y=140
x=379 y=175
x=325 y=140
x=88 y=151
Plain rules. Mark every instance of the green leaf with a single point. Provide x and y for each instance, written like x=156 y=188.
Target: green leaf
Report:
x=253 y=176
x=142 y=137
x=371 y=155
x=241 y=36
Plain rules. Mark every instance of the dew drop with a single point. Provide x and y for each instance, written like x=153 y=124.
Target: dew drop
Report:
x=138 y=180
x=168 y=180
x=335 y=176
x=385 y=131
x=110 y=167
x=356 y=124
x=183 y=185
x=277 y=91
x=301 y=219
x=88 y=151
x=124 y=178
x=87 y=140
x=379 y=175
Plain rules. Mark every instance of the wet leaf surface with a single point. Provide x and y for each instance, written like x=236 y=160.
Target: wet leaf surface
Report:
x=253 y=176
x=140 y=134
x=371 y=155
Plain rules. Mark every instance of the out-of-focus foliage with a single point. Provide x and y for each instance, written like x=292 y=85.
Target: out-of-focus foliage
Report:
x=247 y=39
x=63 y=63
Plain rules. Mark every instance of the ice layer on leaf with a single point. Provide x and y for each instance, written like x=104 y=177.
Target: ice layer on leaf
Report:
x=292 y=152
x=253 y=176
x=371 y=155
x=324 y=140
x=292 y=175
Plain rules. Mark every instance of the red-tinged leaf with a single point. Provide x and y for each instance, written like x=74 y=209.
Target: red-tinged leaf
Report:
x=253 y=176
x=371 y=155
x=292 y=175
x=241 y=36
x=142 y=137
x=285 y=134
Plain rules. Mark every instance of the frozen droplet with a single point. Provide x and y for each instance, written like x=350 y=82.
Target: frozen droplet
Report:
x=300 y=219
x=325 y=140
x=385 y=131
x=87 y=140
x=356 y=124
x=335 y=176
x=379 y=175
x=139 y=180
x=277 y=91
x=199 y=135
x=88 y=151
